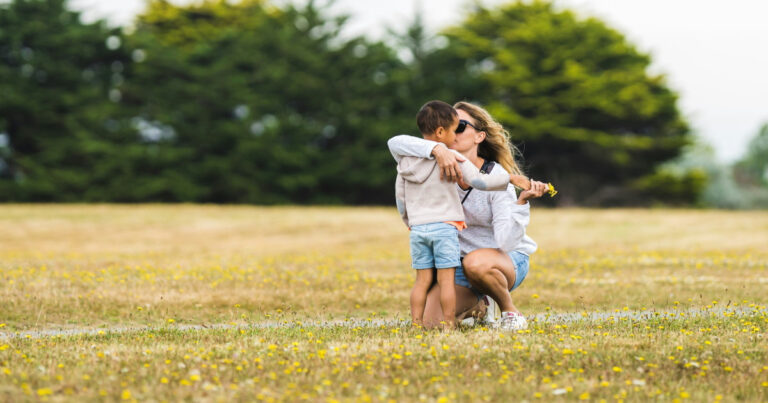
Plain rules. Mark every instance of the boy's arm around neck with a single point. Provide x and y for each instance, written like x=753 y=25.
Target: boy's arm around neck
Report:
x=497 y=179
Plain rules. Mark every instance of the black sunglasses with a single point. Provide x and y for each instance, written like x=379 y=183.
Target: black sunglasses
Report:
x=463 y=126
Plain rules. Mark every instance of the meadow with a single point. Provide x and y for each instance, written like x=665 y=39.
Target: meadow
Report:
x=138 y=276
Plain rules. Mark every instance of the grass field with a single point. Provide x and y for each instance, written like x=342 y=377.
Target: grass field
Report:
x=112 y=267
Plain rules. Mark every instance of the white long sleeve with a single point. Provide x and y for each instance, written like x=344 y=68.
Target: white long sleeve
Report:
x=498 y=179
x=495 y=220
x=404 y=145
x=509 y=219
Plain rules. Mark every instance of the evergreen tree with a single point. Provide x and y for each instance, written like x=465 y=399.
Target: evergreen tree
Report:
x=266 y=105
x=575 y=97
x=59 y=109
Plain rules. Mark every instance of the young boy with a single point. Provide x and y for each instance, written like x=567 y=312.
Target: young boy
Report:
x=431 y=208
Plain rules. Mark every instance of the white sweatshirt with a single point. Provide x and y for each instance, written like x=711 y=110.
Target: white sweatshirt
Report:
x=494 y=219
x=423 y=198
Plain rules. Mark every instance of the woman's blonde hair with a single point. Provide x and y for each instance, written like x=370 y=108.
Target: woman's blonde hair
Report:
x=496 y=146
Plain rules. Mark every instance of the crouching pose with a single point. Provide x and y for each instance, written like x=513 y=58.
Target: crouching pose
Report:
x=494 y=247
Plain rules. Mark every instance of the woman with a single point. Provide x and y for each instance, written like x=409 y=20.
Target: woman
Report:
x=494 y=247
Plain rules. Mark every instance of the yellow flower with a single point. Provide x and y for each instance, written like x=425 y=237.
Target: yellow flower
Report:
x=126 y=394
x=551 y=190
x=44 y=392
x=616 y=369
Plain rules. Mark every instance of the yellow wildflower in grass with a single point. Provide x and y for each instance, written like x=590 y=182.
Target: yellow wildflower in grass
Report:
x=44 y=392
x=126 y=394
x=617 y=369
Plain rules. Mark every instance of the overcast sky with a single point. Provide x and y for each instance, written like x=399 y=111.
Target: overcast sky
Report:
x=714 y=53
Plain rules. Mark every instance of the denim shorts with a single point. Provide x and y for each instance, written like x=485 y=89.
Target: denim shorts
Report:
x=520 y=260
x=435 y=245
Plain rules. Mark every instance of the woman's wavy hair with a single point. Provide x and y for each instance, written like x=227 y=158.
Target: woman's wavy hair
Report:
x=496 y=146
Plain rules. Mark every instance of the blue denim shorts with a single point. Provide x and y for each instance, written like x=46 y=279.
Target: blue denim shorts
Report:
x=521 y=261
x=435 y=245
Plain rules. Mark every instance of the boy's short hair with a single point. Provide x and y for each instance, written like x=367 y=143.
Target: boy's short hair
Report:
x=435 y=114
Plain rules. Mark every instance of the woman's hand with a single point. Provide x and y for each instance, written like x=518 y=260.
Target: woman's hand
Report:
x=537 y=189
x=448 y=162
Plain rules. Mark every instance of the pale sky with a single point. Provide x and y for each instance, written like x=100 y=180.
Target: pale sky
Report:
x=713 y=53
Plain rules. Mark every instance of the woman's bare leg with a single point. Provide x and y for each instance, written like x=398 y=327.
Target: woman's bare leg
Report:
x=433 y=313
x=493 y=273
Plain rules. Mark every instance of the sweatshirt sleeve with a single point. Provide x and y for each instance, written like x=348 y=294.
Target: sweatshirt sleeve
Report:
x=497 y=179
x=400 y=199
x=409 y=146
x=509 y=219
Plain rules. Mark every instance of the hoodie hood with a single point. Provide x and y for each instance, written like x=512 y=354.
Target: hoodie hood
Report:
x=416 y=170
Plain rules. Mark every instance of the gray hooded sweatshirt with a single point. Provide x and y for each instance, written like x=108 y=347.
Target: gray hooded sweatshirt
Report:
x=423 y=198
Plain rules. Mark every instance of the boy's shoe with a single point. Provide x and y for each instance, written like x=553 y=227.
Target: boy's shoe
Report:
x=492 y=312
x=511 y=321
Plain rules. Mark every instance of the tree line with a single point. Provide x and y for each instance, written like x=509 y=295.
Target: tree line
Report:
x=251 y=102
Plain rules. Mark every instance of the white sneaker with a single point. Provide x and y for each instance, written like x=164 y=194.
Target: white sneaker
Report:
x=492 y=312
x=511 y=321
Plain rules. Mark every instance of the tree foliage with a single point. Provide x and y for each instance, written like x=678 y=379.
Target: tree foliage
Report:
x=753 y=167
x=57 y=75
x=250 y=102
x=267 y=105
x=575 y=95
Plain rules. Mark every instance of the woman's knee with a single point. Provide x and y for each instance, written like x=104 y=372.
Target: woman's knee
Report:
x=474 y=264
x=484 y=262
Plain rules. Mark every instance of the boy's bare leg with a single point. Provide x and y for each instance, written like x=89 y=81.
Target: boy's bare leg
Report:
x=419 y=294
x=447 y=296
x=433 y=313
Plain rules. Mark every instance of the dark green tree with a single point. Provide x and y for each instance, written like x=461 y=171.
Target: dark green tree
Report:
x=575 y=96
x=59 y=103
x=265 y=105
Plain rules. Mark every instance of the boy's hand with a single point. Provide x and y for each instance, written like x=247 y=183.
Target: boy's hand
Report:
x=448 y=163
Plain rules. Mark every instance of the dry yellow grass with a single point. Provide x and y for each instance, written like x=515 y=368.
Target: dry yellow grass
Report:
x=76 y=265
x=115 y=266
